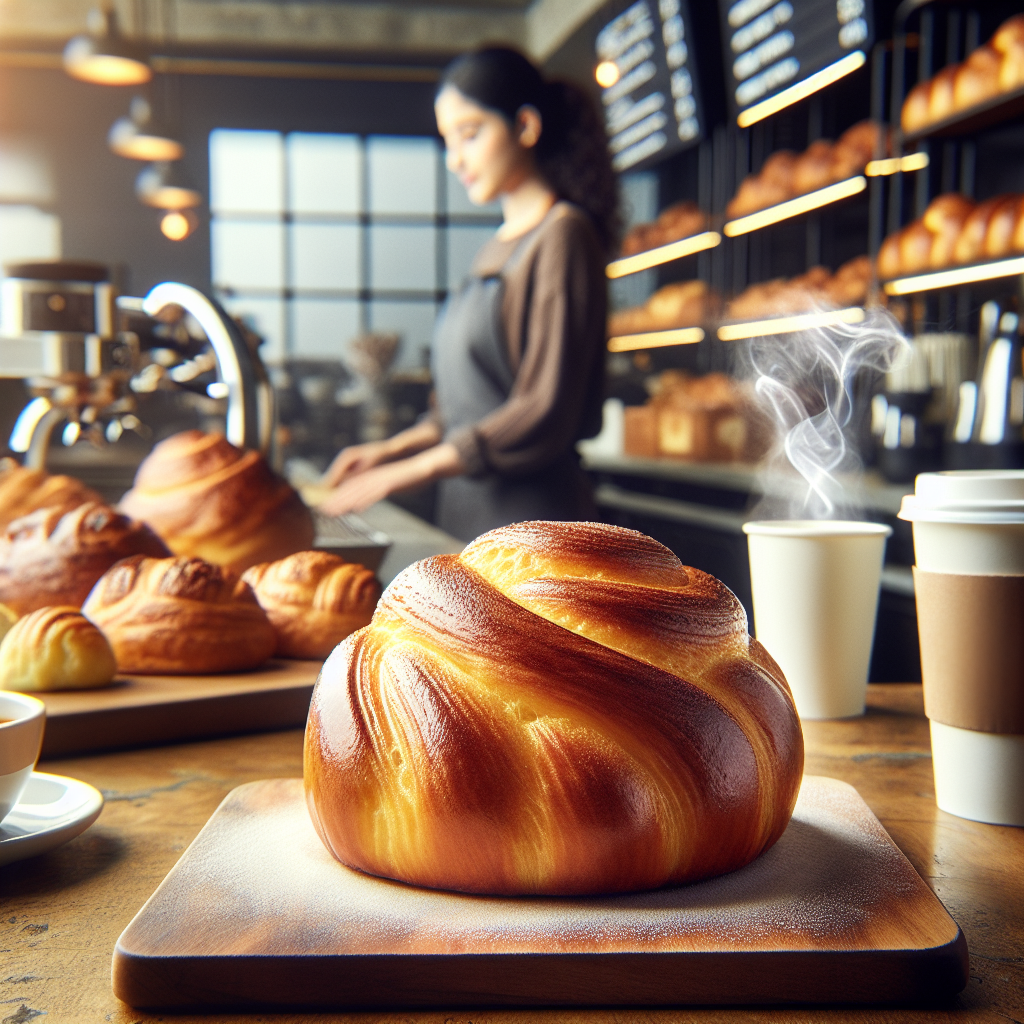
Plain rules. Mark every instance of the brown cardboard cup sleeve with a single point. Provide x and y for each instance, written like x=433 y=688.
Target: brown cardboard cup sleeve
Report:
x=972 y=650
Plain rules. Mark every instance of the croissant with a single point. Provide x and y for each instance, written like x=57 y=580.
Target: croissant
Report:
x=207 y=498
x=55 y=649
x=563 y=708
x=50 y=558
x=180 y=616
x=314 y=600
x=24 y=490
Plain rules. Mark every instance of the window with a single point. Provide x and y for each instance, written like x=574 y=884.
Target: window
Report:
x=317 y=237
x=27 y=230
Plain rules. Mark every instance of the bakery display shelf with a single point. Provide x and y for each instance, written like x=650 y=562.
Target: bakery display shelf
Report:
x=656 y=339
x=975 y=273
x=663 y=254
x=1003 y=107
x=807 y=203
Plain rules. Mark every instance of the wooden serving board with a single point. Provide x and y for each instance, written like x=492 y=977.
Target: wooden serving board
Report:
x=257 y=914
x=142 y=711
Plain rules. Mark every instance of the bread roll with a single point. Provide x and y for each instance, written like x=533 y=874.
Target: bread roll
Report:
x=562 y=709
x=977 y=79
x=945 y=218
x=8 y=617
x=1008 y=42
x=856 y=146
x=207 y=498
x=850 y=283
x=914 y=116
x=970 y=246
x=314 y=600
x=55 y=649
x=889 y=257
x=1010 y=35
x=1000 y=229
x=942 y=94
x=180 y=616
x=1017 y=241
x=915 y=248
x=25 y=490
x=813 y=168
x=49 y=558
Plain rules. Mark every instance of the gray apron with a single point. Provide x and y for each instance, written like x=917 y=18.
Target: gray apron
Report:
x=472 y=378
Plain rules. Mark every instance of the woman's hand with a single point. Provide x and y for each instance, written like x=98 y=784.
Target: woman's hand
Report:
x=360 y=491
x=355 y=459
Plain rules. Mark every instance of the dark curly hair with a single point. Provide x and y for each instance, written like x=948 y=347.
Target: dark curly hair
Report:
x=572 y=152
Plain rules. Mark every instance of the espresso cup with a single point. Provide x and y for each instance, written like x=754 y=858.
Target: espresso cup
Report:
x=969 y=585
x=815 y=587
x=21 y=736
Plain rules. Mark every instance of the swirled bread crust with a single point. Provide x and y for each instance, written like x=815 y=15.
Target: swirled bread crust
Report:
x=180 y=616
x=55 y=558
x=563 y=708
x=55 y=649
x=209 y=499
x=24 y=490
x=314 y=599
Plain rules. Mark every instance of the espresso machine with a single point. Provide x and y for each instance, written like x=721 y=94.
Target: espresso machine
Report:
x=88 y=354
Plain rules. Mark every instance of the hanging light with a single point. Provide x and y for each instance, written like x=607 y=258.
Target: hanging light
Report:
x=139 y=137
x=164 y=186
x=177 y=225
x=104 y=56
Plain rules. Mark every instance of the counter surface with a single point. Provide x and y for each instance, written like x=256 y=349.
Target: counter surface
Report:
x=62 y=912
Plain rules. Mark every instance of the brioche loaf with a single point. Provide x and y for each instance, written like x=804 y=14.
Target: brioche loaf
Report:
x=50 y=558
x=180 y=616
x=680 y=220
x=24 y=490
x=563 y=708
x=314 y=600
x=207 y=498
x=55 y=649
x=683 y=304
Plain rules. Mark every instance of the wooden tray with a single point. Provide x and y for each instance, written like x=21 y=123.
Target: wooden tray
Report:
x=257 y=914
x=142 y=711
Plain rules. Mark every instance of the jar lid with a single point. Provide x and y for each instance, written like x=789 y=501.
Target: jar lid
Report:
x=966 y=496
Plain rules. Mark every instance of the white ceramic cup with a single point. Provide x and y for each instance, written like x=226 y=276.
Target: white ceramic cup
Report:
x=815 y=587
x=21 y=735
x=971 y=523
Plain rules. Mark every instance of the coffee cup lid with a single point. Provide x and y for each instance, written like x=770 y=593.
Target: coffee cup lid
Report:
x=966 y=496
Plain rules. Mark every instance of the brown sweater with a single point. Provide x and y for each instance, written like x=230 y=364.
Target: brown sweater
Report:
x=554 y=312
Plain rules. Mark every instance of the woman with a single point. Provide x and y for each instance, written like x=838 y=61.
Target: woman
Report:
x=518 y=355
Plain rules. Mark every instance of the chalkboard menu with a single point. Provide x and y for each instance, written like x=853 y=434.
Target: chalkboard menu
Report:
x=771 y=45
x=651 y=98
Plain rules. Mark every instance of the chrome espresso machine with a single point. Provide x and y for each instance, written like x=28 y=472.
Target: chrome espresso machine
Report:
x=89 y=355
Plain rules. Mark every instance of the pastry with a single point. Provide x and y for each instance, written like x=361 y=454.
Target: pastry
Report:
x=1000 y=228
x=888 y=262
x=942 y=94
x=24 y=490
x=562 y=709
x=683 y=304
x=1009 y=43
x=8 y=617
x=180 y=616
x=977 y=79
x=314 y=600
x=945 y=218
x=50 y=558
x=55 y=648
x=970 y=246
x=915 y=248
x=813 y=168
x=914 y=115
x=207 y=498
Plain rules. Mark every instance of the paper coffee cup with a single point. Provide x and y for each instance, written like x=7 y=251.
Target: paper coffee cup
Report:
x=969 y=581
x=21 y=736
x=815 y=588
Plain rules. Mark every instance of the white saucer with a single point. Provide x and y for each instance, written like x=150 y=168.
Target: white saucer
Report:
x=52 y=810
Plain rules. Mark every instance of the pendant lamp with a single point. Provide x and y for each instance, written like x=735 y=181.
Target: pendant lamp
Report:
x=104 y=56
x=164 y=186
x=139 y=137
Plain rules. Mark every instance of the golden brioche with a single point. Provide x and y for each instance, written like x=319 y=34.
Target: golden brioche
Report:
x=563 y=708
x=945 y=218
x=8 y=617
x=24 y=490
x=977 y=79
x=207 y=498
x=888 y=262
x=1000 y=228
x=813 y=168
x=180 y=616
x=314 y=600
x=914 y=116
x=915 y=248
x=50 y=558
x=942 y=94
x=55 y=649
x=970 y=246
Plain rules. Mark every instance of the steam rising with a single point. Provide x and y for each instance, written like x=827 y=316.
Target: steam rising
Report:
x=806 y=381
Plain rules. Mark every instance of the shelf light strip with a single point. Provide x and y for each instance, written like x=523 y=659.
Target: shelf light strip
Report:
x=960 y=275
x=663 y=254
x=895 y=164
x=790 y=324
x=656 y=339
x=794 y=207
x=819 y=80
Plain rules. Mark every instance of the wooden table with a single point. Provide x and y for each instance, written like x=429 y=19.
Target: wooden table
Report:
x=61 y=913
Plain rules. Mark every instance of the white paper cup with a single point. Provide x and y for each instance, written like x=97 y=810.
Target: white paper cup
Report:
x=21 y=735
x=969 y=524
x=815 y=587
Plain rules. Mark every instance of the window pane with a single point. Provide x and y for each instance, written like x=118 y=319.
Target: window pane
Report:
x=266 y=318
x=463 y=244
x=402 y=258
x=28 y=234
x=246 y=171
x=458 y=201
x=322 y=328
x=325 y=256
x=414 y=321
x=403 y=174
x=324 y=173
x=247 y=255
